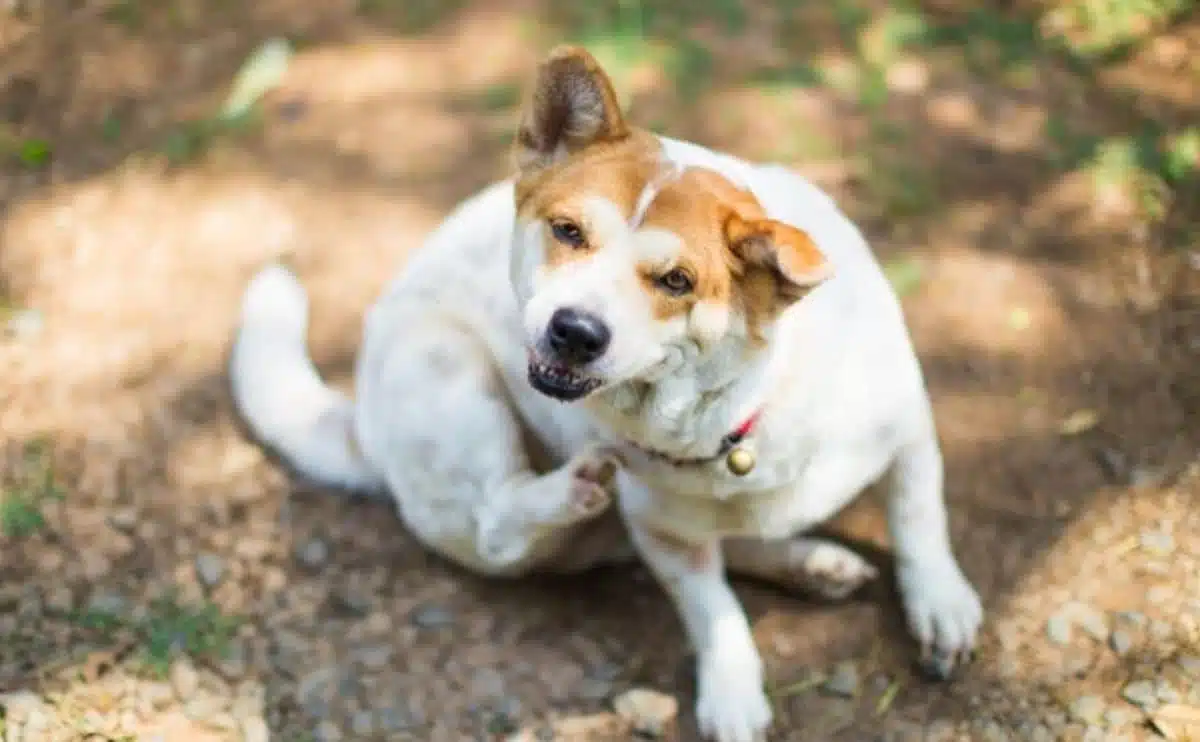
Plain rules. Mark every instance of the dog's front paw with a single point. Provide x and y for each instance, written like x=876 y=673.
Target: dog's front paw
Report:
x=731 y=705
x=593 y=478
x=944 y=613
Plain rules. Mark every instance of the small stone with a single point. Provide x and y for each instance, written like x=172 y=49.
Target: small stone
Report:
x=1166 y=692
x=941 y=731
x=1161 y=630
x=1157 y=542
x=25 y=324
x=1041 y=733
x=993 y=732
x=648 y=712
x=313 y=554
x=1190 y=664
x=254 y=729
x=210 y=568
x=1117 y=717
x=184 y=679
x=1094 y=624
x=106 y=603
x=395 y=720
x=843 y=681
x=1140 y=693
x=1058 y=629
x=123 y=519
x=1121 y=642
x=19 y=704
x=1088 y=709
x=1132 y=619
x=362 y=724
x=373 y=658
x=59 y=600
x=594 y=689
x=352 y=600
x=432 y=617
x=327 y=731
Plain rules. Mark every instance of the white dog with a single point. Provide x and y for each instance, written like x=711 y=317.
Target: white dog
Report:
x=707 y=341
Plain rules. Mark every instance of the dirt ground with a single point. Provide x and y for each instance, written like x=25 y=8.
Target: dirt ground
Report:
x=160 y=579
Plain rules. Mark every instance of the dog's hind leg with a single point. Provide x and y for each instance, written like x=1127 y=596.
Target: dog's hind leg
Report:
x=443 y=429
x=808 y=565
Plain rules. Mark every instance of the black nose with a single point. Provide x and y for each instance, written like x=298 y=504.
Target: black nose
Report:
x=577 y=337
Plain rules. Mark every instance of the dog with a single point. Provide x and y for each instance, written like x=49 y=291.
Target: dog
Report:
x=634 y=347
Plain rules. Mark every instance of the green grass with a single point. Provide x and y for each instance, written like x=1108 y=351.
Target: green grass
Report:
x=35 y=484
x=169 y=628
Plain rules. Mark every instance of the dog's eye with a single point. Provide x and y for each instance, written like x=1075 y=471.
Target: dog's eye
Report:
x=567 y=232
x=676 y=281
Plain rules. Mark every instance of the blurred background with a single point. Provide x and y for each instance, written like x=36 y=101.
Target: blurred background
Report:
x=1029 y=173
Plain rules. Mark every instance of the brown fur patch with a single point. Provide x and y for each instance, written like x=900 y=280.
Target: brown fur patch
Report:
x=732 y=253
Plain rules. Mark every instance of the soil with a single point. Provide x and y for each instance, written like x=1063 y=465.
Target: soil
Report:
x=1060 y=334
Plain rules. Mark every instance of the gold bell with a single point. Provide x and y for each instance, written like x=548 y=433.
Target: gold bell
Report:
x=740 y=461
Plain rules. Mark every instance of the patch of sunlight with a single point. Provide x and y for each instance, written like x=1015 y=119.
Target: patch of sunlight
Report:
x=1098 y=28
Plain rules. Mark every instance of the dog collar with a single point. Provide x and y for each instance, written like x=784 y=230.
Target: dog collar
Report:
x=739 y=458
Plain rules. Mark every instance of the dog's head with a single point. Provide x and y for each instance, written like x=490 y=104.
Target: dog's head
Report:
x=627 y=266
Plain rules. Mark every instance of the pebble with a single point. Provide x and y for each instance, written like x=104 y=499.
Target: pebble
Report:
x=1088 y=709
x=432 y=617
x=1157 y=542
x=1041 y=733
x=1118 y=717
x=352 y=600
x=843 y=681
x=362 y=724
x=327 y=731
x=648 y=712
x=1121 y=642
x=373 y=658
x=254 y=729
x=1166 y=692
x=210 y=568
x=1094 y=623
x=313 y=554
x=59 y=600
x=109 y=604
x=941 y=731
x=1140 y=693
x=1190 y=664
x=395 y=720
x=25 y=324
x=20 y=703
x=1058 y=629
x=123 y=519
x=184 y=679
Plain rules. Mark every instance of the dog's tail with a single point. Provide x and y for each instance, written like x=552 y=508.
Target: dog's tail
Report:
x=281 y=396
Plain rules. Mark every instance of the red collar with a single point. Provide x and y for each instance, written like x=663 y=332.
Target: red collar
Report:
x=731 y=439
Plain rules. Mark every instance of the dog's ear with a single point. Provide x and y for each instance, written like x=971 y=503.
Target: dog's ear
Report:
x=573 y=105
x=776 y=263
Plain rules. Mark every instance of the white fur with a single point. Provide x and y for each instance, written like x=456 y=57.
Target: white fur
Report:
x=442 y=395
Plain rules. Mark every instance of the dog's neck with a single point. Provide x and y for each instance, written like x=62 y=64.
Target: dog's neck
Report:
x=688 y=409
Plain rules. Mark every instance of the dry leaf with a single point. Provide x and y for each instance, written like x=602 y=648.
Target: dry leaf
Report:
x=1079 y=421
x=1177 y=722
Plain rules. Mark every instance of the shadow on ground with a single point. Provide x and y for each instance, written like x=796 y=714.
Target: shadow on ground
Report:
x=1059 y=339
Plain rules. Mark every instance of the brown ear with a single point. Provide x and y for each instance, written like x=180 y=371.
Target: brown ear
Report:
x=573 y=105
x=787 y=254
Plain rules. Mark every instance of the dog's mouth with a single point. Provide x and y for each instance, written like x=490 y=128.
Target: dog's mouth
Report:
x=559 y=381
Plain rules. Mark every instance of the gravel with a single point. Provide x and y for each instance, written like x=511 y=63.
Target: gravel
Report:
x=1140 y=693
x=1121 y=642
x=1058 y=629
x=313 y=554
x=843 y=681
x=432 y=617
x=210 y=568
x=1088 y=709
x=647 y=712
